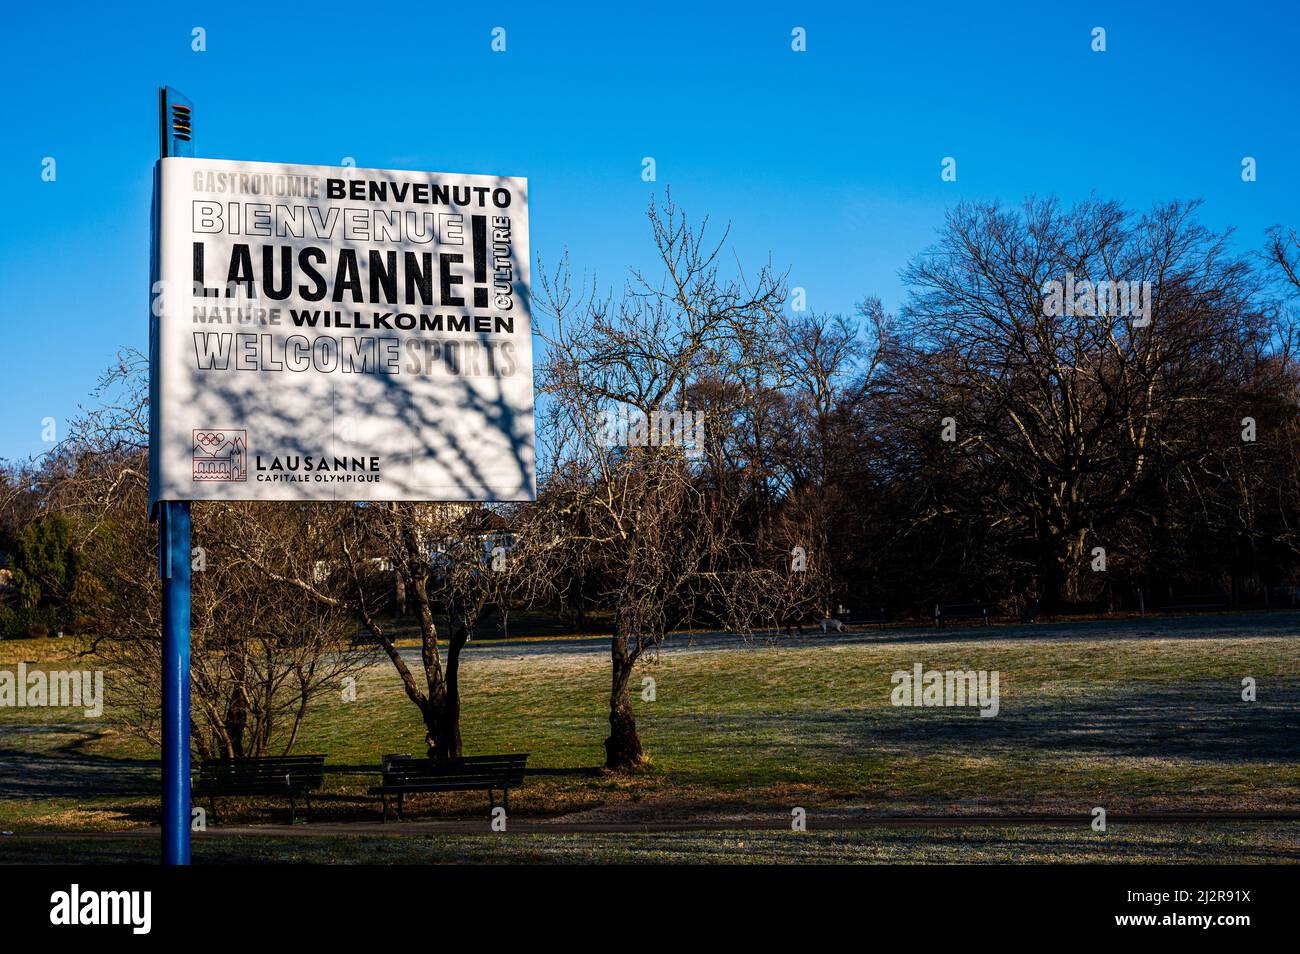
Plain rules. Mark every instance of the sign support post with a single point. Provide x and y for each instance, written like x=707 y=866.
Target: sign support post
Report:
x=174 y=546
x=175 y=129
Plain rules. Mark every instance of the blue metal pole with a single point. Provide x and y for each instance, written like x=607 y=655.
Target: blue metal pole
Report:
x=174 y=544
x=175 y=128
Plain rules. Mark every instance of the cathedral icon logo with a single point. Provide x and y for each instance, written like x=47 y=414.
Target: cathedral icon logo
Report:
x=220 y=455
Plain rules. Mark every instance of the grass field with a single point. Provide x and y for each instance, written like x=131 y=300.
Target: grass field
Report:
x=1132 y=717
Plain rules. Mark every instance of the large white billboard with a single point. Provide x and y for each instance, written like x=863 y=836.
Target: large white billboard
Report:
x=337 y=333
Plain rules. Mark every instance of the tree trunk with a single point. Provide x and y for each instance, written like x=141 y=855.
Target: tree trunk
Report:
x=446 y=734
x=442 y=708
x=623 y=747
x=237 y=712
x=1051 y=583
x=399 y=594
x=442 y=722
x=1053 y=569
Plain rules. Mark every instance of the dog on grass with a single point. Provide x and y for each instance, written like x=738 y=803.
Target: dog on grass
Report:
x=832 y=624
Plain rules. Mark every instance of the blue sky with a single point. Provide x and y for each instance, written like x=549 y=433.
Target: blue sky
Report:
x=828 y=161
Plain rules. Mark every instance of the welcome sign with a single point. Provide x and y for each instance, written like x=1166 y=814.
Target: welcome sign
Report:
x=342 y=334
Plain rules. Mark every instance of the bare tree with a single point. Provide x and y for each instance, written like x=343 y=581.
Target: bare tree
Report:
x=260 y=652
x=663 y=536
x=829 y=363
x=1082 y=412
x=458 y=562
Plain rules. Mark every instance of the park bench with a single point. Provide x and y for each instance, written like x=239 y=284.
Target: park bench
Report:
x=870 y=617
x=286 y=776
x=404 y=775
x=1204 y=601
x=953 y=611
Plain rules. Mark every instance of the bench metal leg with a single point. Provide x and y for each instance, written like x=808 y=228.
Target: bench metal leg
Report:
x=384 y=799
x=293 y=817
x=401 y=806
x=505 y=799
x=492 y=802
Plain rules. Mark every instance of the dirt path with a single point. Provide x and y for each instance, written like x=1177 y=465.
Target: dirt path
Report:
x=559 y=826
